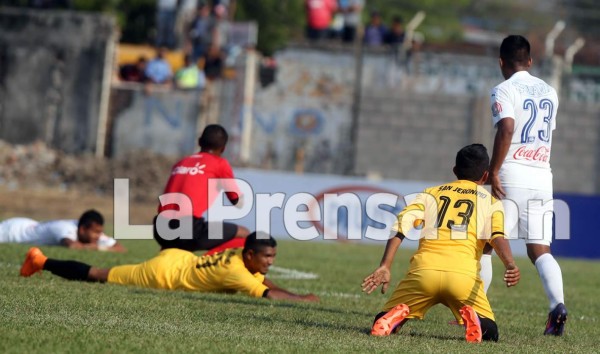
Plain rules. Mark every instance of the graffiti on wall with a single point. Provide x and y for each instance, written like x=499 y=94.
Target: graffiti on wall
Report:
x=162 y=122
x=302 y=121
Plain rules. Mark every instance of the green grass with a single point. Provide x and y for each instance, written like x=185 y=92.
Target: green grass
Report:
x=48 y=314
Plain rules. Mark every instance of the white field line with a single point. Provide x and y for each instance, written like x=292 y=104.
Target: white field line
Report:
x=286 y=273
x=326 y=293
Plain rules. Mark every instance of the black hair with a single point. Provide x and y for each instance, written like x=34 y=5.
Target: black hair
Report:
x=515 y=51
x=471 y=162
x=397 y=19
x=90 y=217
x=256 y=241
x=214 y=136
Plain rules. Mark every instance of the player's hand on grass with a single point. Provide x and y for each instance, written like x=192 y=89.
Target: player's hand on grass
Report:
x=497 y=190
x=512 y=276
x=381 y=276
x=310 y=298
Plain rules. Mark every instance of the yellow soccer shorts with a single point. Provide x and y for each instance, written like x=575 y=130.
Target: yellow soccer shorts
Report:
x=422 y=289
x=160 y=272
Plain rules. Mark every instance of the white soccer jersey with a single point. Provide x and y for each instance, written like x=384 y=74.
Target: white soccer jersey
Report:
x=25 y=230
x=533 y=105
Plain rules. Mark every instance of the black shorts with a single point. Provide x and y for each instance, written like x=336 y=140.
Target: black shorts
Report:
x=199 y=239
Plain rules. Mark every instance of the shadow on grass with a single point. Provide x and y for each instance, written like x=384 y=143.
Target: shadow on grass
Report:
x=248 y=301
x=429 y=336
x=307 y=323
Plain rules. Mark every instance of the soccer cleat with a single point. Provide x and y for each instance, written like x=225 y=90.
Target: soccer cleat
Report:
x=34 y=262
x=387 y=323
x=473 y=332
x=556 y=321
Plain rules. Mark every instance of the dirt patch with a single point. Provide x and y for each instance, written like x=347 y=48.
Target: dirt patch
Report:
x=42 y=183
x=48 y=204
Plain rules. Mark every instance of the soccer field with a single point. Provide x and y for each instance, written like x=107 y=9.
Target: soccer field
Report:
x=48 y=314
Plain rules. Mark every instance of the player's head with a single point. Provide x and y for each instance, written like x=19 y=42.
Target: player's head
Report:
x=472 y=163
x=90 y=227
x=259 y=252
x=213 y=138
x=514 y=55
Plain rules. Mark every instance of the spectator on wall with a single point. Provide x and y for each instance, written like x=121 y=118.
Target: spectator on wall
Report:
x=185 y=16
x=318 y=18
x=220 y=28
x=395 y=36
x=158 y=70
x=134 y=72
x=200 y=32
x=351 y=9
x=213 y=65
x=189 y=77
x=375 y=31
x=166 y=14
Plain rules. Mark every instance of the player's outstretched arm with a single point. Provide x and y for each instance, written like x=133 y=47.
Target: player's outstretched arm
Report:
x=77 y=245
x=117 y=247
x=381 y=276
x=277 y=293
x=502 y=248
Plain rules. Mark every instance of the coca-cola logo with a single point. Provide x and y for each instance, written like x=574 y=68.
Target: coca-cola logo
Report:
x=541 y=154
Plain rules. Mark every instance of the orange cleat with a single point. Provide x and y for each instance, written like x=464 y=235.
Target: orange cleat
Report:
x=34 y=262
x=386 y=325
x=473 y=331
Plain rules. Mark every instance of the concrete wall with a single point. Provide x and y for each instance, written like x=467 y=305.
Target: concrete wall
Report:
x=51 y=70
x=411 y=125
x=162 y=121
x=302 y=122
x=409 y=136
x=576 y=148
x=404 y=135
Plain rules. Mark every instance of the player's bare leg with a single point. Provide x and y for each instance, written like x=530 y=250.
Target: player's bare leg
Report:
x=98 y=274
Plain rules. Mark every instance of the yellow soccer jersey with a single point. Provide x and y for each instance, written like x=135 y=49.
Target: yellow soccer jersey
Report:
x=224 y=272
x=177 y=269
x=457 y=219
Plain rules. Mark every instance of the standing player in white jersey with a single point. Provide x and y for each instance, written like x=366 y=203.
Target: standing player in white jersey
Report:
x=524 y=112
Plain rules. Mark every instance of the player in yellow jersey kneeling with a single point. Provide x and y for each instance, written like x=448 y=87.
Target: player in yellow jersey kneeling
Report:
x=458 y=219
x=233 y=270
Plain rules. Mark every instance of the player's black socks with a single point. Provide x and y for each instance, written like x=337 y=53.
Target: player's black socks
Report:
x=71 y=270
x=489 y=329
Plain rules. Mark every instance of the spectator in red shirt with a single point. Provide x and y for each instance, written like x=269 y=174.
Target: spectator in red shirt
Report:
x=190 y=177
x=318 y=18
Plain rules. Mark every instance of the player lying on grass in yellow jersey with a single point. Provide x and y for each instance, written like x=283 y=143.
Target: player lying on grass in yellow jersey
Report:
x=458 y=219
x=232 y=270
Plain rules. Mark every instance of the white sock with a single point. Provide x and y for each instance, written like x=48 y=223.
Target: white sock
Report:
x=486 y=271
x=551 y=276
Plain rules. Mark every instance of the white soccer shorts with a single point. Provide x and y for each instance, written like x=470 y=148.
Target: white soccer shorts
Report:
x=528 y=215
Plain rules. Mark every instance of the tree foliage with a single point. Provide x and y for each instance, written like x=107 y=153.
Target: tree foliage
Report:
x=136 y=18
x=278 y=21
x=442 y=21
